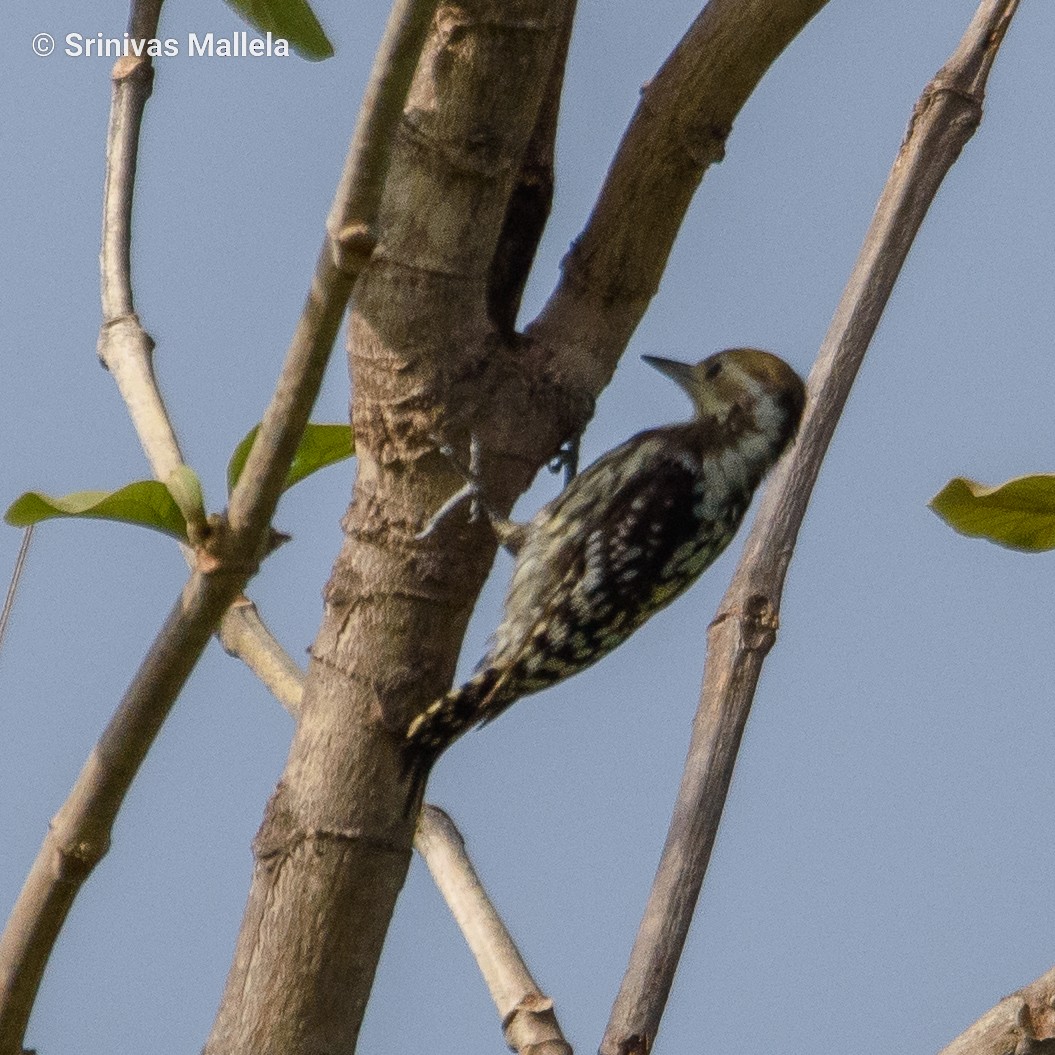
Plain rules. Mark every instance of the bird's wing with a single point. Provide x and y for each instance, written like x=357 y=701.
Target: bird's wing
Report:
x=661 y=529
x=604 y=542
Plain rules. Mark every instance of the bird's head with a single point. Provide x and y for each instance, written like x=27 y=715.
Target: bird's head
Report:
x=760 y=385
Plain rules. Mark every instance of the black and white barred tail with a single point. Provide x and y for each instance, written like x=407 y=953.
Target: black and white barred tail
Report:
x=451 y=715
x=440 y=724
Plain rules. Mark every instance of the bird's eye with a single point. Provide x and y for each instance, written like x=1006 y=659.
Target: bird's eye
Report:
x=713 y=371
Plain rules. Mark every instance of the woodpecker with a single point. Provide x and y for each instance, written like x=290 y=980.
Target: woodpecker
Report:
x=624 y=538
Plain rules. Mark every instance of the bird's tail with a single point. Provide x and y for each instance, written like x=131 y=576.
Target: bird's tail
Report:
x=443 y=721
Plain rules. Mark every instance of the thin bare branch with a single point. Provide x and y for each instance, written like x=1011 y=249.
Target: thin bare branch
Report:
x=16 y=578
x=80 y=833
x=946 y=116
x=243 y=634
x=528 y=1020
x=124 y=347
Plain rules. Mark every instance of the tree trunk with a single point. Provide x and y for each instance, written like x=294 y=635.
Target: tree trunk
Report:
x=335 y=843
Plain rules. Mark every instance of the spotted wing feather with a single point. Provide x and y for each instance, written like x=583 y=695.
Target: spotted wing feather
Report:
x=653 y=518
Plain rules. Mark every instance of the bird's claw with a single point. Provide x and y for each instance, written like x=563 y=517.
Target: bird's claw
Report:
x=468 y=492
x=567 y=458
x=472 y=491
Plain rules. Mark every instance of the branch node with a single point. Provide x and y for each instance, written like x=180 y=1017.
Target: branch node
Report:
x=319 y=841
x=133 y=67
x=123 y=334
x=75 y=861
x=706 y=146
x=531 y=1027
x=635 y=1044
x=352 y=246
x=528 y=1004
x=218 y=548
x=1035 y=1029
x=758 y=621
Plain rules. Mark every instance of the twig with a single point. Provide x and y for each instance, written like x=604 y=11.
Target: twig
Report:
x=16 y=578
x=944 y=119
x=528 y=1020
x=124 y=347
x=80 y=833
x=244 y=635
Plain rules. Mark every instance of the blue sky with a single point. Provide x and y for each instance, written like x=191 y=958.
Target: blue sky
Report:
x=878 y=873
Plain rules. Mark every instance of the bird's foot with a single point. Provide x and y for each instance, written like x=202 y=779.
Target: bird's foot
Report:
x=509 y=533
x=459 y=498
x=567 y=459
x=472 y=492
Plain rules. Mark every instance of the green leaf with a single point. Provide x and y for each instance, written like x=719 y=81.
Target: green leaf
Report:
x=1019 y=514
x=321 y=445
x=291 y=19
x=240 y=457
x=146 y=503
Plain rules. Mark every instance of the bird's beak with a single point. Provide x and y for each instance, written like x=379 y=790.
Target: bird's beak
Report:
x=681 y=373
